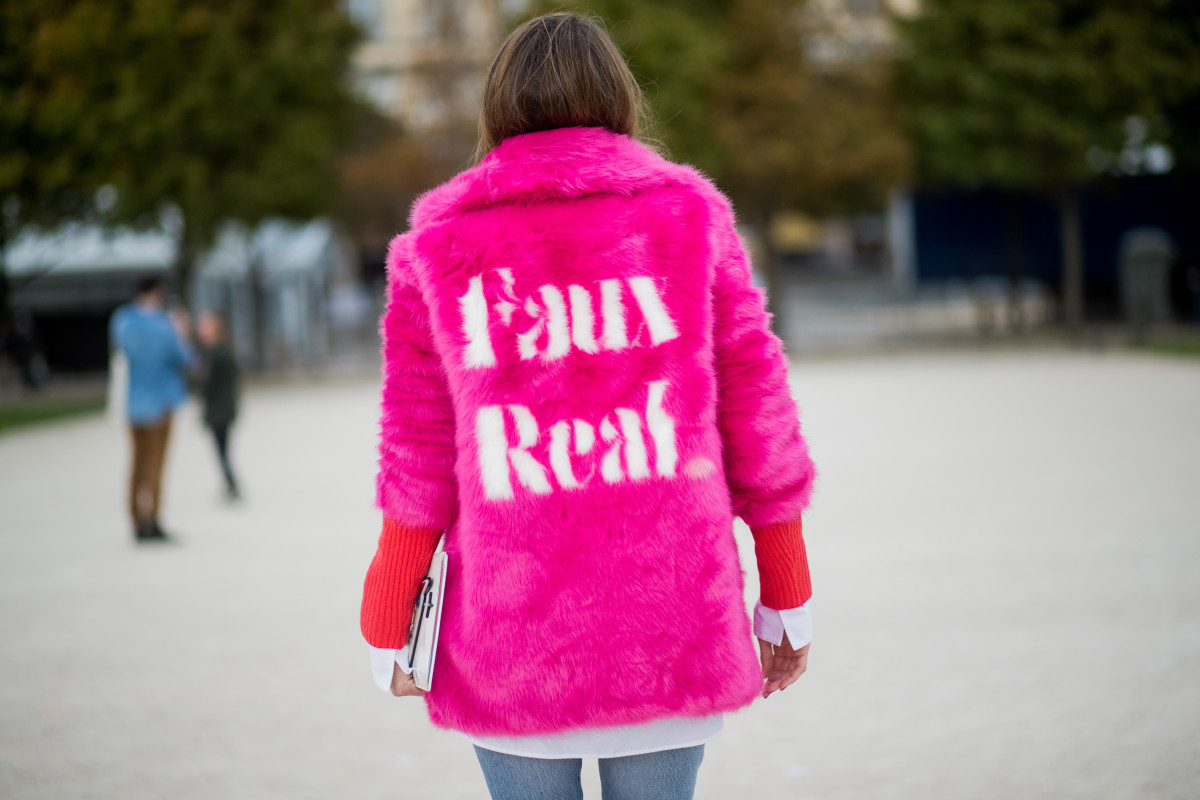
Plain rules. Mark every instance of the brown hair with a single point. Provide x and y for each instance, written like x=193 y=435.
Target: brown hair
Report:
x=557 y=71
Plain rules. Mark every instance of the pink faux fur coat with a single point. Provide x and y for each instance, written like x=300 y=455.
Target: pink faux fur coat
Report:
x=581 y=387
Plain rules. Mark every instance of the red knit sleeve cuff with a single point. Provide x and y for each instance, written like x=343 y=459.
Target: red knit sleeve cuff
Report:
x=782 y=564
x=395 y=574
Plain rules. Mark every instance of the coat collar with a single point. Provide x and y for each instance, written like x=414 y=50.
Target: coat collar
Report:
x=559 y=163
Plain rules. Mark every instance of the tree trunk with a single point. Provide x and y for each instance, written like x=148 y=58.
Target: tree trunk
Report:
x=185 y=262
x=1015 y=259
x=5 y=293
x=258 y=300
x=772 y=274
x=1072 y=260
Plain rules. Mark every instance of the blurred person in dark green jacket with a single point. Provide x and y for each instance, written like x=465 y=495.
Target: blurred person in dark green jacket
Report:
x=219 y=386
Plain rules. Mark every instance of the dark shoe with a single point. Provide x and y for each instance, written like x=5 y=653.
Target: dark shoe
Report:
x=150 y=533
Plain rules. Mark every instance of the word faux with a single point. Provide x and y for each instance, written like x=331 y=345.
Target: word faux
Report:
x=550 y=322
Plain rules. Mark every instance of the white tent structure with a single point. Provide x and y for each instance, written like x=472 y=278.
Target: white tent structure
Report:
x=271 y=283
x=79 y=266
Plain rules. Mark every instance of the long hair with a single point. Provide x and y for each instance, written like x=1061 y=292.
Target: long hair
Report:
x=557 y=71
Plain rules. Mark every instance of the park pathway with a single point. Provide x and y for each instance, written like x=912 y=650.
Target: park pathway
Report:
x=1005 y=551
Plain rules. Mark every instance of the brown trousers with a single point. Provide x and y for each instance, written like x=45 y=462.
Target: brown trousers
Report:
x=145 y=483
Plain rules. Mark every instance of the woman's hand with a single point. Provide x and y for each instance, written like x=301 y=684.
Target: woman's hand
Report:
x=782 y=666
x=403 y=684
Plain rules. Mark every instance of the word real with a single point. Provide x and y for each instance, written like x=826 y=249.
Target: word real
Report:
x=573 y=452
x=550 y=322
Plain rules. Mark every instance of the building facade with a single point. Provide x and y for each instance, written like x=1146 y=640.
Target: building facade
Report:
x=422 y=62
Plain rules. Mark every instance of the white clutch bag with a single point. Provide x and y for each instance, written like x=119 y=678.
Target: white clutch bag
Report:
x=427 y=622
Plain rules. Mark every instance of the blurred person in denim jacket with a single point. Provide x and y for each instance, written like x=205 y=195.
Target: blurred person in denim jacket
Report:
x=155 y=344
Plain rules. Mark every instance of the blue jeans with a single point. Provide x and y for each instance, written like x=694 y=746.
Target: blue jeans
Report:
x=665 y=775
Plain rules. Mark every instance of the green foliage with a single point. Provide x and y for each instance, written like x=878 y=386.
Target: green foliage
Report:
x=224 y=109
x=1182 y=109
x=38 y=411
x=1014 y=93
x=1183 y=347
x=734 y=92
x=385 y=168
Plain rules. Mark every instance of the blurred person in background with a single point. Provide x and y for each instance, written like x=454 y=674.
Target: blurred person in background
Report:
x=156 y=349
x=1185 y=288
x=22 y=346
x=581 y=390
x=219 y=389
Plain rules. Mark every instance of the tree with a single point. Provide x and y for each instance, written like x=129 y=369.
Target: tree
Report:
x=214 y=109
x=386 y=168
x=795 y=132
x=1182 y=108
x=1014 y=94
x=389 y=162
x=736 y=91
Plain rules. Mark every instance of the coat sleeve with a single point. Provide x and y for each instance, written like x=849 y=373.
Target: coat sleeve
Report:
x=416 y=484
x=390 y=588
x=767 y=465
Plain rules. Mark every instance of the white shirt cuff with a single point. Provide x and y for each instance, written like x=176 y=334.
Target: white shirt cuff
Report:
x=382 y=660
x=770 y=624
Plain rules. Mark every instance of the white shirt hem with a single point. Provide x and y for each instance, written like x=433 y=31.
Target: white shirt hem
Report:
x=507 y=747
x=492 y=746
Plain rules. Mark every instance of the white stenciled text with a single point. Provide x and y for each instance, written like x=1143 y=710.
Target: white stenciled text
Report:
x=570 y=453
x=612 y=314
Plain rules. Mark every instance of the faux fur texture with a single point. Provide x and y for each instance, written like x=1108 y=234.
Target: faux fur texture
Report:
x=582 y=387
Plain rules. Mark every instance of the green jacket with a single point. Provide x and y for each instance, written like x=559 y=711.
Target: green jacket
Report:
x=219 y=387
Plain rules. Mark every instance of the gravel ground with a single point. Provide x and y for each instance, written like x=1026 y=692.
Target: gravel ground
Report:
x=1005 y=549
